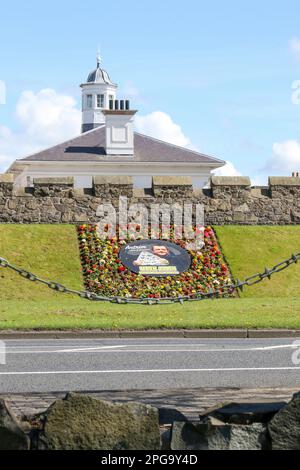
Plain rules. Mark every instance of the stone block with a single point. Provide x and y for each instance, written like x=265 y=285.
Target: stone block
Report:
x=284 y=181
x=195 y=436
x=6 y=185
x=244 y=413
x=172 y=187
x=172 y=181
x=6 y=178
x=79 y=422
x=112 y=180
x=12 y=437
x=53 y=187
x=54 y=181
x=112 y=186
x=231 y=187
x=284 y=428
x=230 y=181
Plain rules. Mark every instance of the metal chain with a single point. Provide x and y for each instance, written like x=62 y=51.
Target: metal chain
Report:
x=211 y=294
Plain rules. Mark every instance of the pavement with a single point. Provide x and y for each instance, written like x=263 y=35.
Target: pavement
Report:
x=190 y=402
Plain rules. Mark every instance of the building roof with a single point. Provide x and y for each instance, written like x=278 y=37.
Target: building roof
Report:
x=99 y=76
x=90 y=147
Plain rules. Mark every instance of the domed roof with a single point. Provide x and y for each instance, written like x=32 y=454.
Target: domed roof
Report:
x=99 y=76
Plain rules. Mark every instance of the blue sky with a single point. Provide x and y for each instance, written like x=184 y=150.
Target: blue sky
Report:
x=222 y=71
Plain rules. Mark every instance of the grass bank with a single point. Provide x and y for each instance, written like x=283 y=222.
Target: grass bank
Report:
x=51 y=251
x=68 y=312
x=249 y=249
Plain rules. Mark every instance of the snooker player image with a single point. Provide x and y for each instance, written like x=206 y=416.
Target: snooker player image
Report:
x=155 y=257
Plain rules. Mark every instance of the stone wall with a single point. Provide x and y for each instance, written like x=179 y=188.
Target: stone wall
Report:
x=229 y=200
x=80 y=422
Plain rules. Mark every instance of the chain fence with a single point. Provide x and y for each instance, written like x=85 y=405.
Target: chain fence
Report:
x=211 y=294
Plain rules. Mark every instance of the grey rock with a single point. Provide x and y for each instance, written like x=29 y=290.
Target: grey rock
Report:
x=284 y=428
x=230 y=181
x=195 y=436
x=169 y=415
x=12 y=436
x=249 y=437
x=165 y=436
x=80 y=422
x=213 y=421
x=244 y=413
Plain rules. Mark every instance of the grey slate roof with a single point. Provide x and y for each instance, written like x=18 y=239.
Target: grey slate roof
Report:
x=99 y=76
x=90 y=147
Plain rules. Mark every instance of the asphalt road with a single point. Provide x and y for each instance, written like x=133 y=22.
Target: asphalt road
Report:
x=124 y=364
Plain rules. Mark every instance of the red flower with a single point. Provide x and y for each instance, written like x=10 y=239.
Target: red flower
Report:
x=100 y=272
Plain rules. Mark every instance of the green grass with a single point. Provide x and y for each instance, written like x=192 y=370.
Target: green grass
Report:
x=51 y=251
x=249 y=250
x=68 y=312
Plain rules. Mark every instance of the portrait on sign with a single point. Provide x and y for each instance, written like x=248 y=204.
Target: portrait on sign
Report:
x=155 y=258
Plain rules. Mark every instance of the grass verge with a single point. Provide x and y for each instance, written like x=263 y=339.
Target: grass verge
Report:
x=72 y=313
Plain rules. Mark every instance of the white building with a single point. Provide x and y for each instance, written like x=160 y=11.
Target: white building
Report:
x=108 y=145
x=97 y=92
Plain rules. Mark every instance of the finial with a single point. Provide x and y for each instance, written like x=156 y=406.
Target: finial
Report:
x=98 y=58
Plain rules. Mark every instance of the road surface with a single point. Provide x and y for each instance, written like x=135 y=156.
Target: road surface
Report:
x=122 y=364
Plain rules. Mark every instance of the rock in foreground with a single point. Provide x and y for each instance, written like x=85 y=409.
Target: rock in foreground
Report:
x=244 y=413
x=194 y=436
x=80 y=422
x=11 y=435
x=284 y=428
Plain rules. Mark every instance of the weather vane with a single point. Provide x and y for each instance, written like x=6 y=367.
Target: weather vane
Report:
x=98 y=57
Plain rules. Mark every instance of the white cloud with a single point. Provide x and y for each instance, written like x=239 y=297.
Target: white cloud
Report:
x=286 y=157
x=45 y=119
x=131 y=91
x=227 y=170
x=295 y=47
x=161 y=126
x=48 y=115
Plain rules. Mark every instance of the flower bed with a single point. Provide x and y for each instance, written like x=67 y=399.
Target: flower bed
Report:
x=104 y=273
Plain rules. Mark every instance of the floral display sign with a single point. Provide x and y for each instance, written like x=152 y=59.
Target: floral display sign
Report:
x=105 y=273
x=155 y=258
